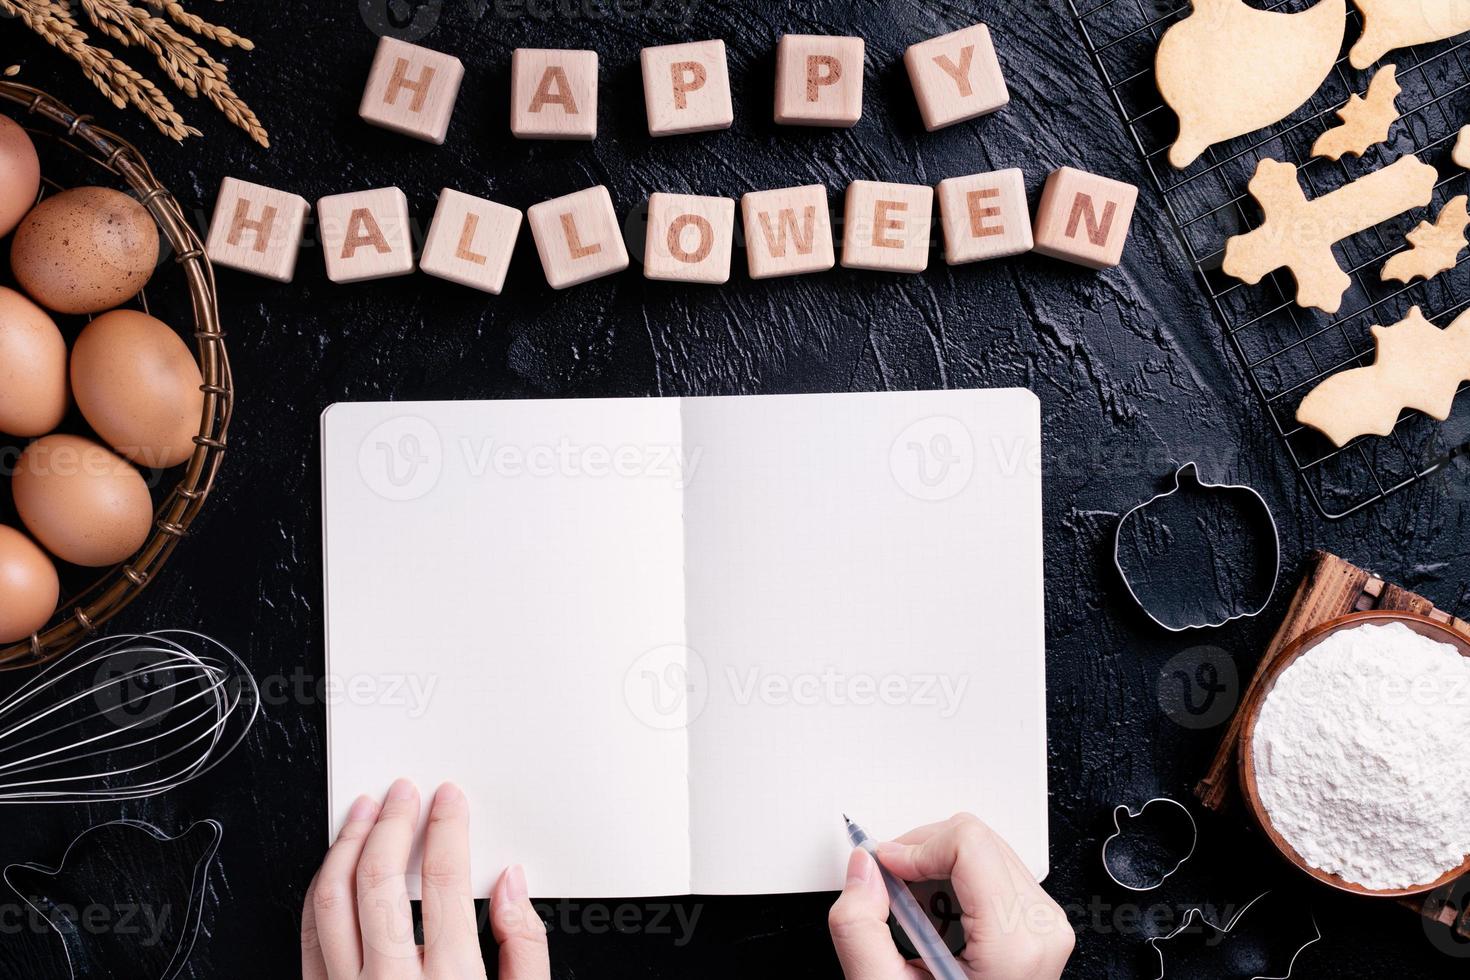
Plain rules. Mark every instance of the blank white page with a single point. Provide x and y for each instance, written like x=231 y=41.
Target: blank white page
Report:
x=518 y=556
x=865 y=596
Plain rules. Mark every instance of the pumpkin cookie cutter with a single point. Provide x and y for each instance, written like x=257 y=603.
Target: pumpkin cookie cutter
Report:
x=1123 y=809
x=1190 y=472
x=1221 y=932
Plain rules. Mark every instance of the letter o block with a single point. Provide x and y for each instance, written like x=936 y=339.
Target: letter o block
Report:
x=365 y=235
x=886 y=227
x=819 y=80
x=257 y=229
x=578 y=237
x=1084 y=218
x=553 y=94
x=411 y=90
x=686 y=88
x=689 y=238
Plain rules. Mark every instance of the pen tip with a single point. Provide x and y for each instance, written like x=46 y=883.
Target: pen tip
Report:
x=846 y=818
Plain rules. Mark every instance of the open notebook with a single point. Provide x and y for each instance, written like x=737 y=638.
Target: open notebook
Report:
x=663 y=644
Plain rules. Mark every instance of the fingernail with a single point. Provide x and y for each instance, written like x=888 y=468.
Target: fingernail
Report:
x=362 y=809
x=403 y=789
x=888 y=849
x=859 y=866
x=515 y=883
x=448 y=793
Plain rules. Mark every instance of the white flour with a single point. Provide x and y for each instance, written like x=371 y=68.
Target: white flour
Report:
x=1357 y=759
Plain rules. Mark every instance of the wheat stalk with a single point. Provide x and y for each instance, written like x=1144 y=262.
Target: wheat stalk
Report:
x=185 y=62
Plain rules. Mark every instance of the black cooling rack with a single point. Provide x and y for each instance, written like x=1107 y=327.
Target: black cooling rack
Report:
x=1285 y=349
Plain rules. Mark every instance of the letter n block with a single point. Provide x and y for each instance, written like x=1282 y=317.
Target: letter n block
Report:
x=365 y=235
x=553 y=94
x=689 y=238
x=886 y=226
x=257 y=229
x=686 y=88
x=819 y=80
x=411 y=90
x=470 y=241
x=956 y=77
x=985 y=216
x=1084 y=218
x=578 y=237
x=788 y=231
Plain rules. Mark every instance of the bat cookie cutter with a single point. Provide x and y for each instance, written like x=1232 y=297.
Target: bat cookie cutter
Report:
x=1187 y=476
x=1221 y=933
x=1110 y=863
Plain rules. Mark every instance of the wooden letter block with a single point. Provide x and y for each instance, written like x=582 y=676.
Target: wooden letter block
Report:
x=956 y=77
x=686 y=88
x=689 y=238
x=1084 y=218
x=470 y=241
x=788 y=231
x=365 y=235
x=886 y=226
x=578 y=237
x=985 y=216
x=257 y=229
x=819 y=80
x=553 y=94
x=411 y=90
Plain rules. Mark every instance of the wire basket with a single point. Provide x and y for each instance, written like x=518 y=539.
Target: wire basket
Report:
x=83 y=612
x=1287 y=350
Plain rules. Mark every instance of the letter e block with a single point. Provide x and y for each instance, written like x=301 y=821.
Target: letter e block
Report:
x=956 y=77
x=578 y=237
x=788 y=231
x=985 y=216
x=819 y=80
x=886 y=226
x=686 y=88
x=689 y=238
x=553 y=94
x=365 y=235
x=257 y=229
x=411 y=90
x=470 y=241
x=1084 y=218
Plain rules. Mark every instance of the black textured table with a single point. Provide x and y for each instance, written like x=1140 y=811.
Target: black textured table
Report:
x=1132 y=374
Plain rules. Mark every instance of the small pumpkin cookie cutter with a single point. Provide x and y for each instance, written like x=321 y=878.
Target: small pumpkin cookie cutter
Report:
x=1190 y=472
x=1124 y=809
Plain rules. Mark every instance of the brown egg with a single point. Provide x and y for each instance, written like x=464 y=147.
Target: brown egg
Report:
x=20 y=174
x=85 y=504
x=28 y=586
x=85 y=250
x=138 y=386
x=32 y=367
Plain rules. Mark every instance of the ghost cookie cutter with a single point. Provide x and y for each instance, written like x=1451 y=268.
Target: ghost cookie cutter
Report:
x=1188 y=475
x=1109 y=863
x=1222 y=932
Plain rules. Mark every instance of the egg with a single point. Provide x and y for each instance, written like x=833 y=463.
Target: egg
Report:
x=84 y=250
x=138 y=385
x=32 y=367
x=84 y=503
x=20 y=174
x=29 y=587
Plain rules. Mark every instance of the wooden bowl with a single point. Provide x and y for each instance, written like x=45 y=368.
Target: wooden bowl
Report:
x=1422 y=625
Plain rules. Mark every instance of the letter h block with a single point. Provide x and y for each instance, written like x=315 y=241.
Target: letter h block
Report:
x=411 y=90
x=257 y=229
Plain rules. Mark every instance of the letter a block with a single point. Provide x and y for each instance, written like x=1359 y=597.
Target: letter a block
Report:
x=257 y=229
x=365 y=235
x=985 y=216
x=470 y=241
x=411 y=90
x=689 y=238
x=686 y=88
x=956 y=77
x=788 y=231
x=819 y=80
x=886 y=226
x=553 y=94
x=1084 y=218
x=577 y=237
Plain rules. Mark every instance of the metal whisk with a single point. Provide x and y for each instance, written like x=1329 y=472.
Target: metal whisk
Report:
x=124 y=717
